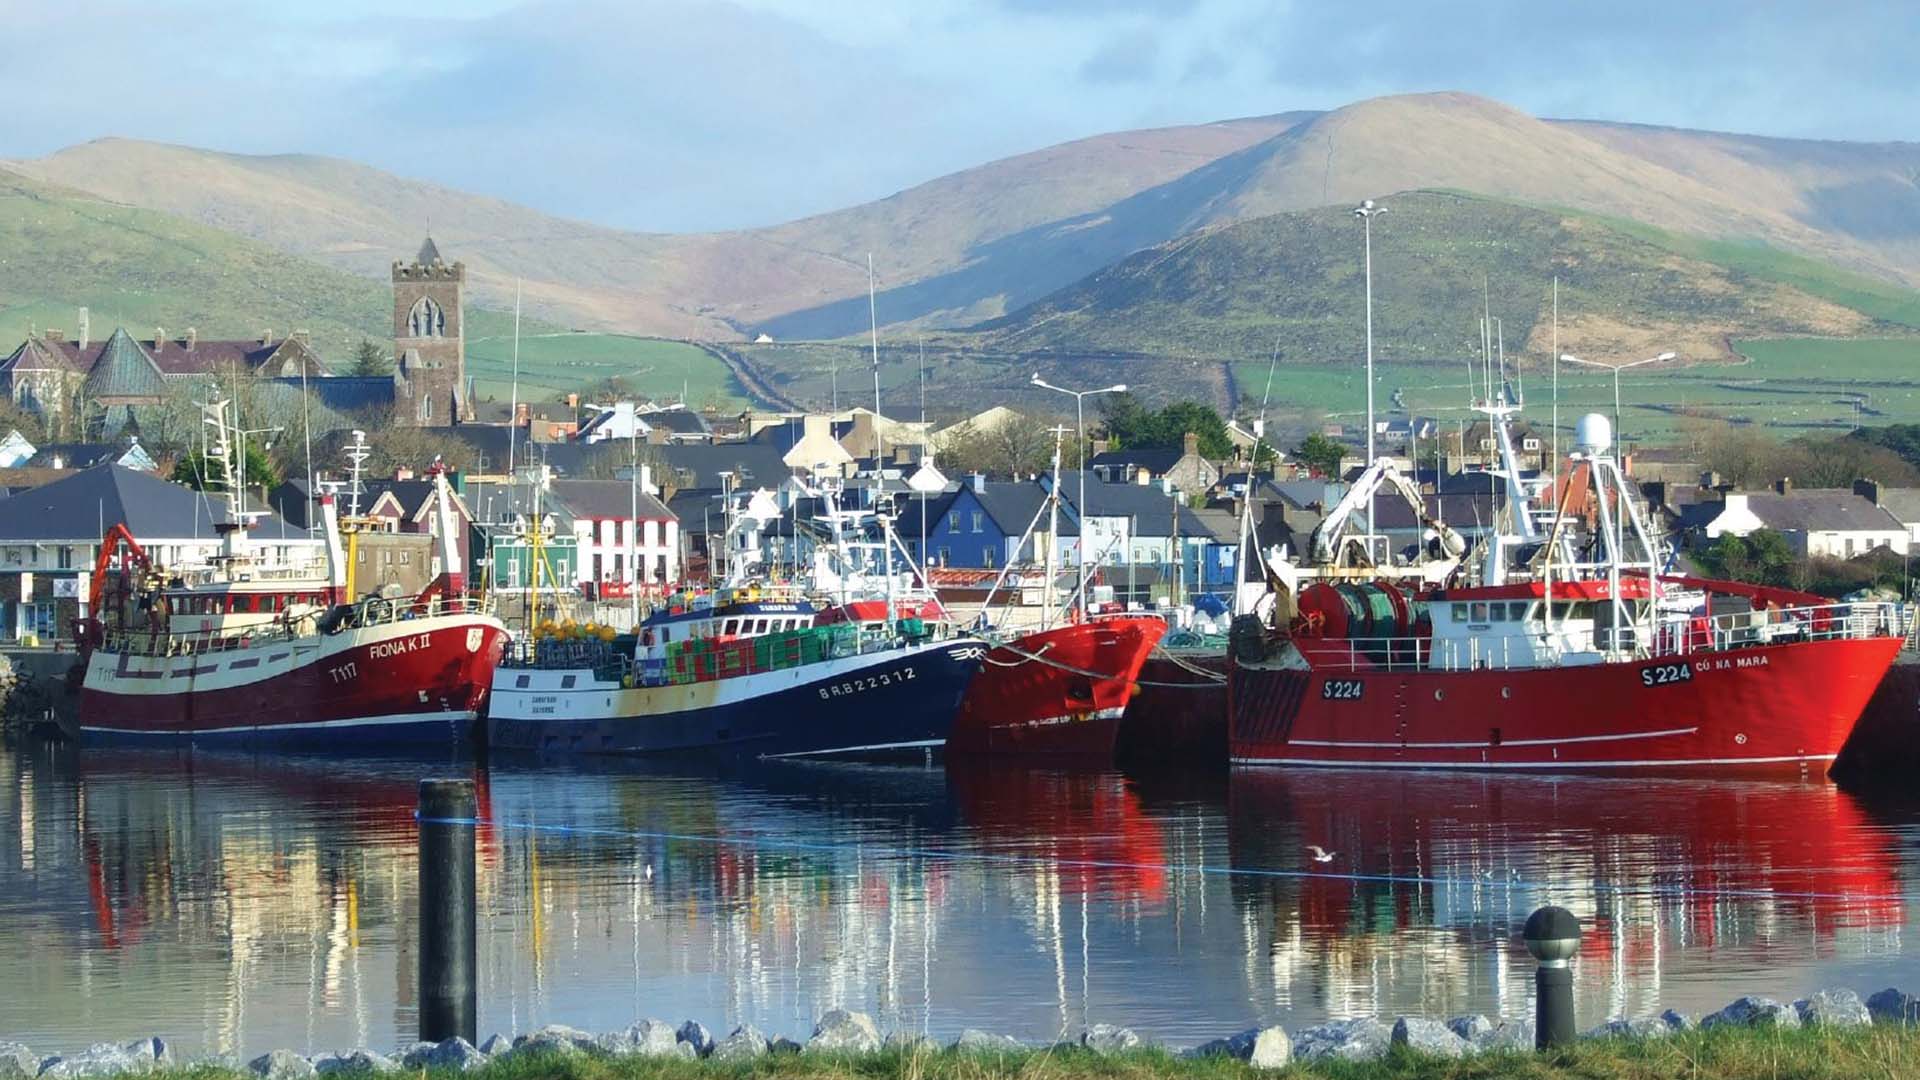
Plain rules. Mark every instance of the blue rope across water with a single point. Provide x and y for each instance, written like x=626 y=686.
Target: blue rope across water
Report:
x=1037 y=861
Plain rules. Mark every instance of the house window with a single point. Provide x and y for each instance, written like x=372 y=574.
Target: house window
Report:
x=66 y=558
x=946 y=556
x=979 y=521
x=987 y=558
x=406 y=558
x=953 y=521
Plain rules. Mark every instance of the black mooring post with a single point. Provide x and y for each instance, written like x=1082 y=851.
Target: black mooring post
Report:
x=1553 y=936
x=449 y=1003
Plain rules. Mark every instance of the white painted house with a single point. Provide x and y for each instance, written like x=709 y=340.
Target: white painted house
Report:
x=1835 y=523
x=615 y=544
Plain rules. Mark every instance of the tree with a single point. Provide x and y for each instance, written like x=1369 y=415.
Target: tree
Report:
x=1022 y=443
x=194 y=471
x=1130 y=424
x=1320 y=453
x=370 y=359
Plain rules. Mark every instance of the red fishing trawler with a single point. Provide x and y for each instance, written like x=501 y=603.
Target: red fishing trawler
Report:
x=1552 y=662
x=252 y=653
x=1057 y=692
x=1057 y=689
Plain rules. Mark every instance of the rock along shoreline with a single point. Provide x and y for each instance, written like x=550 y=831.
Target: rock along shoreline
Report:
x=843 y=1032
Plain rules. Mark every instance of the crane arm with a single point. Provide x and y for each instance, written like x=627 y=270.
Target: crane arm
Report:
x=1328 y=538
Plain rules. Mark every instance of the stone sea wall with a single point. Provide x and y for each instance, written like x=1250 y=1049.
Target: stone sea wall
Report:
x=843 y=1032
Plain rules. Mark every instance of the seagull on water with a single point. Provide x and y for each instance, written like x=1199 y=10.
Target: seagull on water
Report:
x=1320 y=854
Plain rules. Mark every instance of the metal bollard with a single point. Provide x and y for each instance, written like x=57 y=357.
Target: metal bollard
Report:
x=1553 y=936
x=449 y=1002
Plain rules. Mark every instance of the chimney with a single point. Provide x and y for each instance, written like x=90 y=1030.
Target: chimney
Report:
x=85 y=328
x=159 y=338
x=1192 y=444
x=522 y=415
x=1784 y=485
x=266 y=336
x=193 y=338
x=1100 y=446
x=402 y=473
x=54 y=336
x=304 y=337
x=1867 y=489
x=978 y=481
x=573 y=401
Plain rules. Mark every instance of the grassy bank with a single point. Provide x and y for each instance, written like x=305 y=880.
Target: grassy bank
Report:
x=1816 y=1054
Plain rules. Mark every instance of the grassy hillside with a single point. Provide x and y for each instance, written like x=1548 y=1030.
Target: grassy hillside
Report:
x=986 y=241
x=1296 y=280
x=553 y=362
x=575 y=273
x=60 y=250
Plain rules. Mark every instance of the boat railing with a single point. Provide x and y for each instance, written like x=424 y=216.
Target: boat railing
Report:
x=1566 y=646
x=371 y=611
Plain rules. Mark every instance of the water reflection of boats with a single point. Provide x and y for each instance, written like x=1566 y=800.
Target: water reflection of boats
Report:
x=1087 y=827
x=1438 y=870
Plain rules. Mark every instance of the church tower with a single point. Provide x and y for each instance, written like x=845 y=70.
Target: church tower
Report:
x=429 y=349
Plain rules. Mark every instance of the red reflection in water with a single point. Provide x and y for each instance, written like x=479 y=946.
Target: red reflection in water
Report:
x=1092 y=824
x=1806 y=850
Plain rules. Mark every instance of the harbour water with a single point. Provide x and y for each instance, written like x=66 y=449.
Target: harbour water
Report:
x=237 y=903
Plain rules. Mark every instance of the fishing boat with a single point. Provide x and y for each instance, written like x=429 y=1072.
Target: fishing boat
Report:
x=1573 y=649
x=245 y=651
x=1057 y=689
x=753 y=669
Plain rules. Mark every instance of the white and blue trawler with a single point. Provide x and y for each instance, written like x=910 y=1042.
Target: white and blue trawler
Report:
x=745 y=672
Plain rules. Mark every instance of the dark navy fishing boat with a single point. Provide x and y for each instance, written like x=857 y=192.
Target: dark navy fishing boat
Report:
x=745 y=671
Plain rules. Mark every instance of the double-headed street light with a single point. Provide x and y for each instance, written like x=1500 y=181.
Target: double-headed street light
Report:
x=1080 y=452
x=1617 y=369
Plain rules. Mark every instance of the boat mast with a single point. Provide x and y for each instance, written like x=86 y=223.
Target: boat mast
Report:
x=1053 y=532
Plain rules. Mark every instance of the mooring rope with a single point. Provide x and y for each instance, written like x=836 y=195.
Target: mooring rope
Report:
x=1069 y=668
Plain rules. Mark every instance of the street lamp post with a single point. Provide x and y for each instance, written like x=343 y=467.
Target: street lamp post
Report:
x=1366 y=212
x=1618 y=438
x=1080 y=452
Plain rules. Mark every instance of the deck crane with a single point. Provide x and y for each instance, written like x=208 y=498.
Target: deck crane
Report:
x=1330 y=544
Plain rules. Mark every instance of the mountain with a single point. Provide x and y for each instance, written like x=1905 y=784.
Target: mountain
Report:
x=358 y=219
x=62 y=249
x=980 y=244
x=1233 y=291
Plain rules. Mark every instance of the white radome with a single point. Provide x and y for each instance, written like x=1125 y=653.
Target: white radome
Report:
x=1593 y=433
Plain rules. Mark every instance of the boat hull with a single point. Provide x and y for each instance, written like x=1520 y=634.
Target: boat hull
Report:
x=1180 y=714
x=1788 y=706
x=1058 y=692
x=415 y=682
x=894 y=700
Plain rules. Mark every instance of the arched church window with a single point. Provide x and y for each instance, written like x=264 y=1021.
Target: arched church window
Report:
x=426 y=319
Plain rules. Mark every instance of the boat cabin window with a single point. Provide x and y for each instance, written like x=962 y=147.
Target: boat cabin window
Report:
x=1477 y=611
x=731 y=627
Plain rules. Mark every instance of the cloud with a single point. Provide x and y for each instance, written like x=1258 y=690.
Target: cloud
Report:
x=690 y=114
x=1129 y=58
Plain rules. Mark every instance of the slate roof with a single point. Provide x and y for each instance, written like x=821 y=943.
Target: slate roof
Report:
x=429 y=253
x=678 y=421
x=1155 y=459
x=1465 y=510
x=124 y=370
x=348 y=393
x=697 y=510
x=73 y=508
x=36 y=355
x=607 y=499
x=761 y=464
x=1821 y=510
x=496 y=504
x=564 y=458
x=1902 y=503
x=1012 y=505
x=76 y=455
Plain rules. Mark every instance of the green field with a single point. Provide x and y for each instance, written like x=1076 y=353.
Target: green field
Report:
x=1790 y=385
x=553 y=362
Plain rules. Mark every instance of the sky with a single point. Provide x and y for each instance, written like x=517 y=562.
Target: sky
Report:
x=687 y=115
